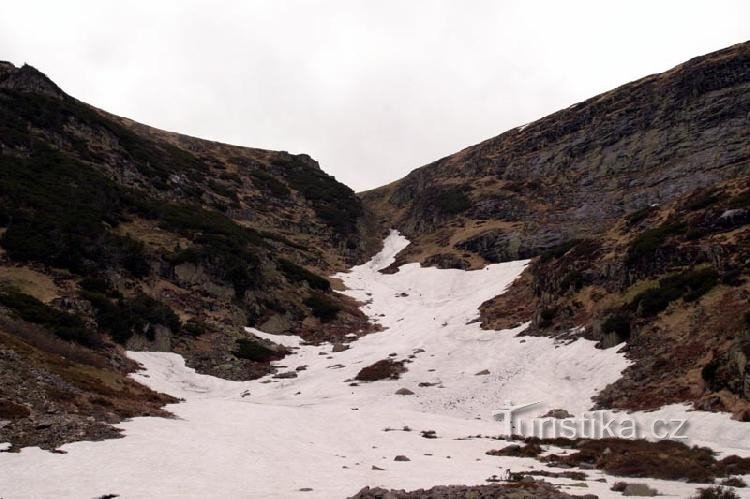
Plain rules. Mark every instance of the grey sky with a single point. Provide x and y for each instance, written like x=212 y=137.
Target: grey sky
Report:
x=371 y=89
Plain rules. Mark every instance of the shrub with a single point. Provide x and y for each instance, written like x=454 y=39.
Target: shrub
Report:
x=734 y=481
x=94 y=284
x=334 y=203
x=651 y=240
x=617 y=323
x=65 y=326
x=559 y=250
x=269 y=184
x=452 y=200
x=701 y=200
x=639 y=215
x=573 y=279
x=296 y=273
x=323 y=307
x=716 y=492
x=124 y=317
x=689 y=285
x=547 y=316
x=194 y=328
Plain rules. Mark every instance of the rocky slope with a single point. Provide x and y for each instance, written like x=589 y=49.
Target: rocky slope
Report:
x=574 y=172
x=633 y=205
x=117 y=235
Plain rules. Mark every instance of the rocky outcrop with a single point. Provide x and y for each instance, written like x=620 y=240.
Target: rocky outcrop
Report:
x=570 y=174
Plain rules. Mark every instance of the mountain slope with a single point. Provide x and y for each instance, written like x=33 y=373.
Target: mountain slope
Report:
x=114 y=234
x=573 y=172
x=633 y=205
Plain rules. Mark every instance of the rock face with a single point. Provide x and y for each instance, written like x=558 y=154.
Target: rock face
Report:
x=571 y=173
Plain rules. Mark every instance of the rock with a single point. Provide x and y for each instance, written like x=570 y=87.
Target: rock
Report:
x=483 y=372
x=429 y=434
x=375 y=468
x=340 y=347
x=404 y=391
x=306 y=489
x=401 y=457
x=382 y=369
x=639 y=489
x=286 y=375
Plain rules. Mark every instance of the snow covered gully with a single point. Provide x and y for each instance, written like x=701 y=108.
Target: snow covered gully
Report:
x=320 y=435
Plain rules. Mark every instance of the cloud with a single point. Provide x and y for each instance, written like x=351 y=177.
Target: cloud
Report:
x=370 y=89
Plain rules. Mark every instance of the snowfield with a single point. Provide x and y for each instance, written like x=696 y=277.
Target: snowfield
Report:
x=316 y=436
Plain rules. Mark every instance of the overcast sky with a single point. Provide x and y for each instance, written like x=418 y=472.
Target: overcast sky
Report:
x=371 y=89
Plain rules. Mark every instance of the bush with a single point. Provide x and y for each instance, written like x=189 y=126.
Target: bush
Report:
x=617 y=323
x=651 y=240
x=734 y=481
x=689 y=285
x=701 y=200
x=296 y=273
x=269 y=184
x=194 y=328
x=323 y=307
x=333 y=202
x=547 y=316
x=124 y=317
x=558 y=251
x=639 y=215
x=716 y=492
x=94 y=284
x=65 y=326
x=573 y=280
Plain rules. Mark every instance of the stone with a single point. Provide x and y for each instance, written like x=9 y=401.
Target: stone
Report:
x=404 y=391
x=639 y=490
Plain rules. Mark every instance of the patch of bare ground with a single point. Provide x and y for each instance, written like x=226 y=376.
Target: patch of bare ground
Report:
x=512 y=308
x=55 y=392
x=519 y=490
x=664 y=459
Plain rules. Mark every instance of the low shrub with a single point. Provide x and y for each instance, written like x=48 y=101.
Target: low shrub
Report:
x=716 y=492
x=194 y=328
x=323 y=307
x=558 y=251
x=269 y=184
x=65 y=326
x=689 y=285
x=734 y=481
x=639 y=215
x=701 y=200
x=297 y=273
x=617 y=323
x=547 y=316
x=124 y=317
x=651 y=240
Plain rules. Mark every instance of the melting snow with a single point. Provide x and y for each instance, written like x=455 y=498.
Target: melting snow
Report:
x=273 y=437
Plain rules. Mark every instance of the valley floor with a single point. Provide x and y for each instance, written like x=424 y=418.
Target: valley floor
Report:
x=320 y=435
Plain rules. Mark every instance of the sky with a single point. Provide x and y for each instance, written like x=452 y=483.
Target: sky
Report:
x=371 y=89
